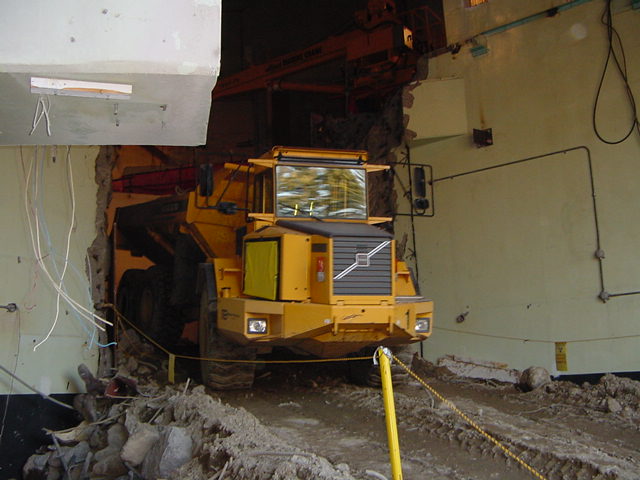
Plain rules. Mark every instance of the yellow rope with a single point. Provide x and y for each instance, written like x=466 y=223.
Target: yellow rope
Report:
x=122 y=318
x=477 y=427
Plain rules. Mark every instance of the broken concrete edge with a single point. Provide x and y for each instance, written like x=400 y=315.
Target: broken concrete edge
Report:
x=453 y=365
x=99 y=253
x=470 y=368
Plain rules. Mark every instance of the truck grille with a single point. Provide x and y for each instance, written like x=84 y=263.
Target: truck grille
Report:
x=361 y=266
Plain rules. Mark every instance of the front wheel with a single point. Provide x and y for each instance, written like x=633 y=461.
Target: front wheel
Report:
x=364 y=372
x=222 y=375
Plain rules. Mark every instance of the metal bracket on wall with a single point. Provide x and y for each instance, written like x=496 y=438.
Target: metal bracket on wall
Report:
x=10 y=307
x=478 y=50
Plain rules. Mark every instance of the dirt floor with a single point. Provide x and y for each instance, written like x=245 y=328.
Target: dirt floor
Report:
x=563 y=430
x=308 y=422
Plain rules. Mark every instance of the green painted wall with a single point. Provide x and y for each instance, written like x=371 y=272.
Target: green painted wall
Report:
x=52 y=366
x=515 y=246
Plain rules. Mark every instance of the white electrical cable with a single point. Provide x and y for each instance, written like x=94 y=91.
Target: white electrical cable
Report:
x=40 y=258
x=42 y=110
x=35 y=240
x=53 y=256
x=37 y=248
x=66 y=253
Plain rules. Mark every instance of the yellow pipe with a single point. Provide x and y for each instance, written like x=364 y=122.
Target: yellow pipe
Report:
x=390 y=413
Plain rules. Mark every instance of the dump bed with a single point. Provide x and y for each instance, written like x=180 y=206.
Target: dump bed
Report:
x=151 y=228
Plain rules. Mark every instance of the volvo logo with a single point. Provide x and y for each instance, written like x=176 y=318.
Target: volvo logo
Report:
x=361 y=260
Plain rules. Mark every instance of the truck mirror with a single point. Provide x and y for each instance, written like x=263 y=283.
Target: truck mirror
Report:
x=419 y=182
x=205 y=180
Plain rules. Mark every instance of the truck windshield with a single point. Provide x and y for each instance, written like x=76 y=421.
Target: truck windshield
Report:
x=324 y=192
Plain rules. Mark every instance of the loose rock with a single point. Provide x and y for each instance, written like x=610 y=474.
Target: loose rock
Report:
x=117 y=436
x=613 y=405
x=139 y=444
x=533 y=378
x=173 y=450
x=110 y=465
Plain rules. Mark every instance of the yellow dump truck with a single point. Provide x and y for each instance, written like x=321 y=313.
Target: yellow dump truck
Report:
x=280 y=252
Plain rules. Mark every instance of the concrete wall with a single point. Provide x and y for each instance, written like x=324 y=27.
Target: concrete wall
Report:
x=512 y=249
x=168 y=52
x=52 y=367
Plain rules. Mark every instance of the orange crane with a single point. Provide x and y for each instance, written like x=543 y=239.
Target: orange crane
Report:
x=378 y=56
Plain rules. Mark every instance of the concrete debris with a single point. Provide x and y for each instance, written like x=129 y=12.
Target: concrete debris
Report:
x=73 y=435
x=92 y=384
x=184 y=432
x=117 y=436
x=175 y=433
x=110 y=465
x=86 y=405
x=36 y=466
x=129 y=345
x=472 y=368
x=139 y=443
x=613 y=405
x=56 y=462
x=378 y=133
x=613 y=394
x=171 y=452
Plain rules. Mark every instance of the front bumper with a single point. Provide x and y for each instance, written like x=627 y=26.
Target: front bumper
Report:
x=324 y=330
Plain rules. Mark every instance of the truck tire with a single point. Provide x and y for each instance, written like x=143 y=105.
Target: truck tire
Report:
x=364 y=372
x=218 y=375
x=128 y=293
x=154 y=315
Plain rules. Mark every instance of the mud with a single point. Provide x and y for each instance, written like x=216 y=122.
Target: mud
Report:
x=562 y=430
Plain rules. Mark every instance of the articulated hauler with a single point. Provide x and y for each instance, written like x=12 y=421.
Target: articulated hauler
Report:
x=280 y=252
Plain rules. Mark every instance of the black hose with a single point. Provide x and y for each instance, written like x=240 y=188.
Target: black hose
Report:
x=621 y=67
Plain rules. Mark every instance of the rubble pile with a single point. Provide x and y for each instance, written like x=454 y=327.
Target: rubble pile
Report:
x=135 y=428
x=172 y=432
x=612 y=394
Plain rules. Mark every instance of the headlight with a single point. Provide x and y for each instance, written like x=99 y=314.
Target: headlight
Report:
x=257 y=325
x=423 y=325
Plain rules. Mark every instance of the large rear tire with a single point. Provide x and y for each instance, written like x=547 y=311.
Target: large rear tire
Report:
x=219 y=375
x=129 y=292
x=154 y=315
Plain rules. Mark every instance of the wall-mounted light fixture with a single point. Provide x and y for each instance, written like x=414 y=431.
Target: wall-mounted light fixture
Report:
x=80 y=88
